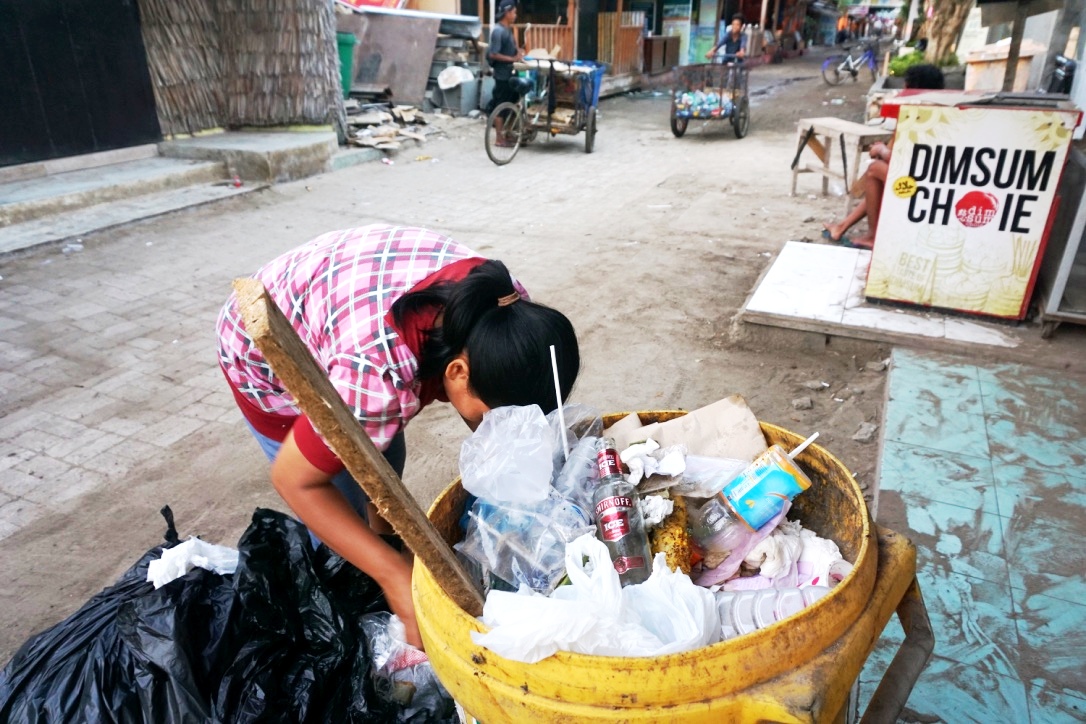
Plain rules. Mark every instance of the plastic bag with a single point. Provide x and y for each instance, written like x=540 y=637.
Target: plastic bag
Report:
x=705 y=476
x=130 y=653
x=403 y=674
x=280 y=640
x=596 y=615
x=523 y=545
x=509 y=458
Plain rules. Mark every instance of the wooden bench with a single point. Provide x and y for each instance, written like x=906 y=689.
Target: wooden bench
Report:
x=822 y=136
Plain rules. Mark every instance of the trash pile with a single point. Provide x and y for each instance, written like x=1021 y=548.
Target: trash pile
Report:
x=385 y=126
x=635 y=540
x=703 y=104
x=273 y=631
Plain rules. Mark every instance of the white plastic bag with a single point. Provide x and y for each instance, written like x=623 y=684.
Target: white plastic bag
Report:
x=509 y=458
x=595 y=615
x=681 y=615
x=193 y=553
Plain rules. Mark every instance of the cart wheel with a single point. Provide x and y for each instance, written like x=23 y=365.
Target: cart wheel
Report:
x=678 y=125
x=831 y=69
x=741 y=117
x=590 y=131
x=504 y=132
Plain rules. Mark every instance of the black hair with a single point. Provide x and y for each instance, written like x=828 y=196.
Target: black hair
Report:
x=738 y=17
x=924 y=76
x=508 y=347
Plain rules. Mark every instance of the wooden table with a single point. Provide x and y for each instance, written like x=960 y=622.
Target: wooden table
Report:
x=822 y=136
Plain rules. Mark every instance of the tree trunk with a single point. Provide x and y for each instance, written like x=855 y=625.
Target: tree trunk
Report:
x=945 y=28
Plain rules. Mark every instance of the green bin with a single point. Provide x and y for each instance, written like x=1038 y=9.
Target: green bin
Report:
x=346 y=43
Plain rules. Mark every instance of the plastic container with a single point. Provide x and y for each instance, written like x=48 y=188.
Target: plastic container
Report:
x=346 y=43
x=759 y=492
x=799 y=670
x=590 y=94
x=742 y=612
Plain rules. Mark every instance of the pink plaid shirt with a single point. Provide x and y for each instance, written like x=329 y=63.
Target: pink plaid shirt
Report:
x=336 y=292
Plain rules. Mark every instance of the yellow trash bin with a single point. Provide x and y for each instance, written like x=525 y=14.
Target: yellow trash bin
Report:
x=797 y=670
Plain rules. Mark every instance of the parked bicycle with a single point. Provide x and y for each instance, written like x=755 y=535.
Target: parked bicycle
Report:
x=836 y=67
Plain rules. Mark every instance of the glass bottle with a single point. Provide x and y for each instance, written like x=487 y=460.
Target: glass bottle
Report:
x=619 y=523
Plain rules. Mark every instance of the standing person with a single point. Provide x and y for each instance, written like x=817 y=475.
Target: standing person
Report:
x=842 y=29
x=924 y=76
x=502 y=53
x=733 y=42
x=398 y=317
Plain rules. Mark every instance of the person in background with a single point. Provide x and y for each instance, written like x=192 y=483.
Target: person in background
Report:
x=398 y=317
x=502 y=53
x=926 y=77
x=733 y=42
x=842 y=29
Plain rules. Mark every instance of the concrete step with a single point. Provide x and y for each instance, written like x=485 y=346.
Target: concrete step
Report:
x=261 y=155
x=71 y=225
x=34 y=198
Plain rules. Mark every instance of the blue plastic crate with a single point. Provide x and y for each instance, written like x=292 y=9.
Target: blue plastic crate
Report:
x=590 y=85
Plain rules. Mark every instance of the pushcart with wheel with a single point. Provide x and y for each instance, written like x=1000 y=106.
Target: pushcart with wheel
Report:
x=557 y=97
x=711 y=92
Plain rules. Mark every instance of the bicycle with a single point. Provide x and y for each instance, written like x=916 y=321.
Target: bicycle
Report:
x=547 y=103
x=836 y=66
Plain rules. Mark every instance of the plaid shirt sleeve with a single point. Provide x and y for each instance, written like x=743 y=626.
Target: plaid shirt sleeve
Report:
x=372 y=394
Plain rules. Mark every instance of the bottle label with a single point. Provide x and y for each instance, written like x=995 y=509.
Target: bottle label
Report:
x=613 y=517
x=628 y=563
x=608 y=463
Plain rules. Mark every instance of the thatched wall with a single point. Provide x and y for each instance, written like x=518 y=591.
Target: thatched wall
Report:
x=185 y=60
x=242 y=63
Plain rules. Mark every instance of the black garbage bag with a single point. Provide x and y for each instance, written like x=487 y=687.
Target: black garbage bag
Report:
x=130 y=654
x=299 y=650
x=279 y=640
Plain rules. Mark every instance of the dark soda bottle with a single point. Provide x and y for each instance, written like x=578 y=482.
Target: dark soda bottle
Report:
x=619 y=523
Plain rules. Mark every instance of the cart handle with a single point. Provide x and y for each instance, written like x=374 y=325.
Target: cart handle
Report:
x=900 y=677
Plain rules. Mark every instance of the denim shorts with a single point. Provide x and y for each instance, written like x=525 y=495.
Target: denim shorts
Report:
x=396 y=455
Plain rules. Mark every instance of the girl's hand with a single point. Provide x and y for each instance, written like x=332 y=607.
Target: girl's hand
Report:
x=397 y=589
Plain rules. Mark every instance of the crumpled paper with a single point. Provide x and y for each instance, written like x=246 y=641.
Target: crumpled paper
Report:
x=647 y=459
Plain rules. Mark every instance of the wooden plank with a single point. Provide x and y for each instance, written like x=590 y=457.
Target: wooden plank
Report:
x=816 y=145
x=310 y=387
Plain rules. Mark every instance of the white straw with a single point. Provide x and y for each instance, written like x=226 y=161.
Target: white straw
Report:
x=558 y=396
x=802 y=446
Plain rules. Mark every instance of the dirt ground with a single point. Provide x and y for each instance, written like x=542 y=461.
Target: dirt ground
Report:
x=650 y=245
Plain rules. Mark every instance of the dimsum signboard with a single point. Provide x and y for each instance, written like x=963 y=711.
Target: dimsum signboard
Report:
x=965 y=214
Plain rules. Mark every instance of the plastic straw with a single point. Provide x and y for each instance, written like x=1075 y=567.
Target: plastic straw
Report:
x=558 y=396
x=802 y=446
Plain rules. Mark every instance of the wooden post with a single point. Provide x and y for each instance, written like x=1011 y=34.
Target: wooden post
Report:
x=321 y=403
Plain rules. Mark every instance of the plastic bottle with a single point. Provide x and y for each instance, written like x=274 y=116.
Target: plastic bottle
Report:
x=619 y=523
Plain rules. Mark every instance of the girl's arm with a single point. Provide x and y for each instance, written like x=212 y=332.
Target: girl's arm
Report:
x=310 y=493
